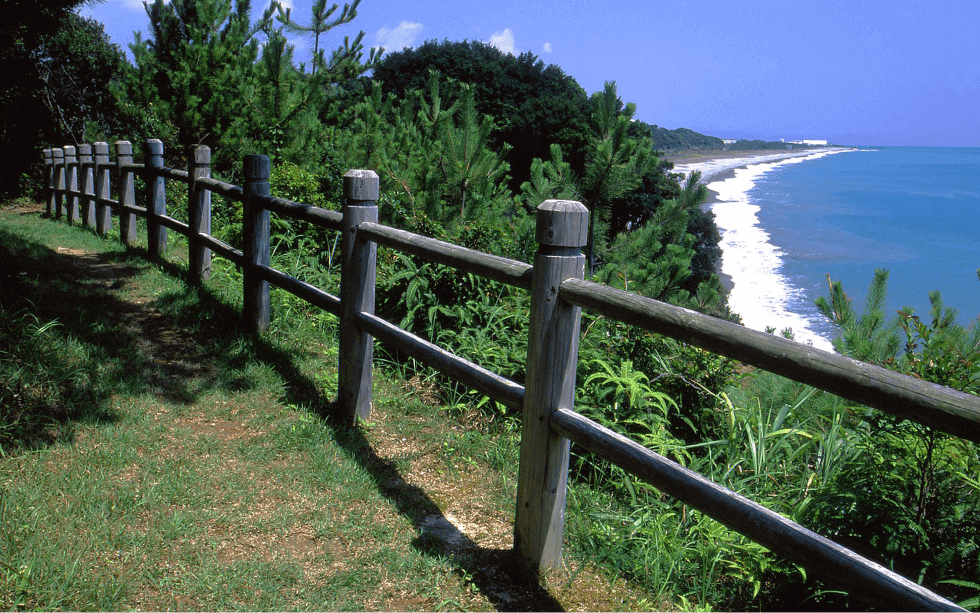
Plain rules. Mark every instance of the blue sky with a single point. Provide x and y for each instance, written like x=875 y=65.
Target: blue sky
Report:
x=855 y=72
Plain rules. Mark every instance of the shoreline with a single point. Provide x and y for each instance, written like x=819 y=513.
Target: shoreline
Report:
x=749 y=257
x=720 y=165
x=716 y=166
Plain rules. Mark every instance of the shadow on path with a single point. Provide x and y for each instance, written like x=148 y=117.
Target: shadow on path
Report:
x=136 y=347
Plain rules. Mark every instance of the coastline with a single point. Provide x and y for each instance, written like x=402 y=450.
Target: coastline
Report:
x=750 y=262
x=716 y=166
x=721 y=165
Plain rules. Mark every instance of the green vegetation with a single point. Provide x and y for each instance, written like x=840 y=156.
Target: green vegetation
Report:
x=55 y=97
x=160 y=458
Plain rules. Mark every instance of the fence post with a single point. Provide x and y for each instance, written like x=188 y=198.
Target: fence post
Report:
x=156 y=199
x=358 y=272
x=87 y=181
x=58 y=162
x=199 y=214
x=71 y=184
x=552 y=356
x=127 y=192
x=103 y=214
x=49 y=182
x=255 y=231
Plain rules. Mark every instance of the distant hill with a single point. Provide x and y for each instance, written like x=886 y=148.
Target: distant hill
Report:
x=684 y=139
x=677 y=140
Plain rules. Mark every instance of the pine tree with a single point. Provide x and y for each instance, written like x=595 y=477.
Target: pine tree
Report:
x=346 y=60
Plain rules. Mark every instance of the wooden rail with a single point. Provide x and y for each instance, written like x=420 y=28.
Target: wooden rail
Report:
x=558 y=293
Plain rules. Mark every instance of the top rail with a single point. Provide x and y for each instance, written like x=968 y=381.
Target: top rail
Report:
x=232 y=192
x=496 y=268
x=930 y=404
x=168 y=173
x=305 y=212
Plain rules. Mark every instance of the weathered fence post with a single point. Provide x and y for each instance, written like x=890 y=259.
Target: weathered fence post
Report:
x=562 y=231
x=71 y=184
x=156 y=199
x=199 y=214
x=255 y=231
x=103 y=214
x=49 y=182
x=357 y=279
x=87 y=181
x=59 y=180
x=127 y=192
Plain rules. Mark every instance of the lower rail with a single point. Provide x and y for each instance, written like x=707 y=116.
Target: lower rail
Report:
x=826 y=559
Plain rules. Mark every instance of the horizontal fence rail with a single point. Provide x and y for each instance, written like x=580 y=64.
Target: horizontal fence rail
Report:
x=493 y=267
x=486 y=382
x=558 y=293
x=933 y=405
x=825 y=559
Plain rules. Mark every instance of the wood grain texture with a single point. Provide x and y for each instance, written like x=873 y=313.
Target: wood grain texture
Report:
x=297 y=210
x=551 y=365
x=60 y=180
x=358 y=273
x=496 y=268
x=199 y=215
x=310 y=293
x=255 y=234
x=49 y=182
x=101 y=168
x=71 y=184
x=156 y=198
x=126 y=194
x=486 y=382
x=86 y=179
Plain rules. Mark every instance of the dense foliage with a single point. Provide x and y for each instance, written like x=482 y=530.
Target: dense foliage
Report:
x=49 y=95
x=681 y=139
x=531 y=105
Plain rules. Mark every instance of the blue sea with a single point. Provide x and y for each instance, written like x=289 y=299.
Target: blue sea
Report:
x=789 y=223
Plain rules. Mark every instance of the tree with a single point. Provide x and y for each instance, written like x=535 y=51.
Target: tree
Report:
x=615 y=165
x=345 y=61
x=76 y=93
x=659 y=259
x=532 y=105
x=200 y=70
x=197 y=70
x=433 y=152
x=912 y=490
x=49 y=96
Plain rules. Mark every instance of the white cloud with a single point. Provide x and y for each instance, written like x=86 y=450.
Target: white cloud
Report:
x=286 y=4
x=547 y=48
x=504 y=41
x=399 y=38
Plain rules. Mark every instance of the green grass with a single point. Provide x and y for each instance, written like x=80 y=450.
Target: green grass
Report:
x=167 y=461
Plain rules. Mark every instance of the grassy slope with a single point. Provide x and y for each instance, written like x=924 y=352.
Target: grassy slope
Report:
x=180 y=464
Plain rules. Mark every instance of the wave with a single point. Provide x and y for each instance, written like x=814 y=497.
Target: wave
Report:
x=761 y=294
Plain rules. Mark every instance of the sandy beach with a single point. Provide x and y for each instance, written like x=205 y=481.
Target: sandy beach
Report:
x=750 y=262
x=721 y=165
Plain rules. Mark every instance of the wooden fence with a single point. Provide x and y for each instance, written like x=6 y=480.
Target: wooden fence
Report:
x=79 y=189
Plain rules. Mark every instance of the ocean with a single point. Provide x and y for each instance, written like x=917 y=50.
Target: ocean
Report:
x=788 y=223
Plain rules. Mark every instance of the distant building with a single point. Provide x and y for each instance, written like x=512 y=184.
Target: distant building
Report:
x=806 y=142
x=729 y=141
